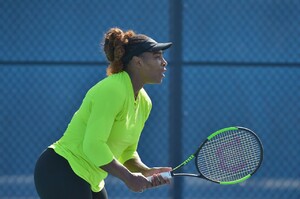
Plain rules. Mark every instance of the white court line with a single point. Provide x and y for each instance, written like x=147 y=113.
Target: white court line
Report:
x=265 y=183
x=16 y=179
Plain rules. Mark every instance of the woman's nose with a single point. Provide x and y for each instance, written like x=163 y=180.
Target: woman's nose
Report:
x=164 y=62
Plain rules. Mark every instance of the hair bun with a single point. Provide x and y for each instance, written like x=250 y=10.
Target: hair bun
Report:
x=114 y=41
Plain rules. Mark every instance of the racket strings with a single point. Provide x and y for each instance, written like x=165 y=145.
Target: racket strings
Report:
x=229 y=156
x=232 y=159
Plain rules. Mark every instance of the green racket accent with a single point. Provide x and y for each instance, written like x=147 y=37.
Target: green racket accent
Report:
x=236 y=181
x=221 y=131
x=185 y=162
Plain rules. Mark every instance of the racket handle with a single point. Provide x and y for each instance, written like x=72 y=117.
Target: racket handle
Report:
x=165 y=175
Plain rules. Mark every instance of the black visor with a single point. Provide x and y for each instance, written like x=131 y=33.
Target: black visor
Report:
x=146 y=45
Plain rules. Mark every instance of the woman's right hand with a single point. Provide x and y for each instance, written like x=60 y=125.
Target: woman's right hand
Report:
x=134 y=181
x=137 y=182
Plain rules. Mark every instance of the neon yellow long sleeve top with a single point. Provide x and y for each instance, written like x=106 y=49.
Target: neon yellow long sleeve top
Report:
x=107 y=125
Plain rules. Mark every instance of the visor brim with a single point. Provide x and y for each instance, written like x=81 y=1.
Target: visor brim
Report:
x=160 y=46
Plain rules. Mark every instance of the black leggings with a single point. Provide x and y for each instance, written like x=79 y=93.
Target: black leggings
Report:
x=54 y=179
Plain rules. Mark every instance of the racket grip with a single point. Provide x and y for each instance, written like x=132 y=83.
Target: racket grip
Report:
x=165 y=175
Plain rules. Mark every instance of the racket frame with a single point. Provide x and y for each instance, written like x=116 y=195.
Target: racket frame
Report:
x=200 y=175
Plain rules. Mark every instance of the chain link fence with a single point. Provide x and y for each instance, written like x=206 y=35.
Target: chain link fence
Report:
x=240 y=67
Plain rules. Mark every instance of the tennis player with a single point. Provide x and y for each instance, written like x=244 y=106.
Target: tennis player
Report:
x=103 y=135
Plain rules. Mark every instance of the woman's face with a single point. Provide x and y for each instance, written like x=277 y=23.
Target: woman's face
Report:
x=153 y=66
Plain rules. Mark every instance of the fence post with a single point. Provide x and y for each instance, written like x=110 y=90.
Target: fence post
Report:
x=175 y=93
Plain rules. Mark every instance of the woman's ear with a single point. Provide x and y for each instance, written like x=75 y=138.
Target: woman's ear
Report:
x=137 y=60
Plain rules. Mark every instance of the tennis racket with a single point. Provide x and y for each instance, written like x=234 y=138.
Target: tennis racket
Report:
x=228 y=156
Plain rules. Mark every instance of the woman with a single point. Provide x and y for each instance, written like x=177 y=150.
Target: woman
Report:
x=103 y=134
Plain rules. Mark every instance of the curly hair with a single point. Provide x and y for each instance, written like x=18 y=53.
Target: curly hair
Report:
x=115 y=41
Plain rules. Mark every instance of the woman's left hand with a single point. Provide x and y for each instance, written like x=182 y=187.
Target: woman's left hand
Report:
x=157 y=179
